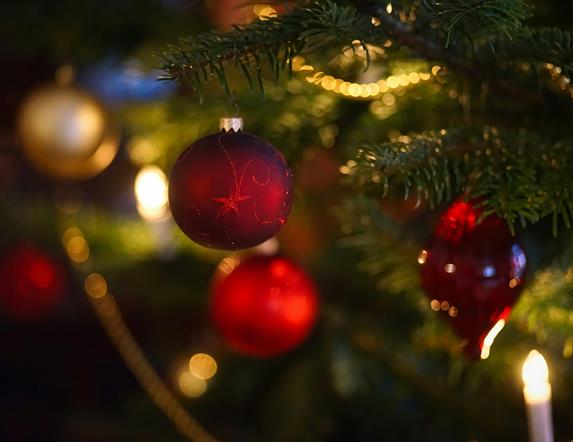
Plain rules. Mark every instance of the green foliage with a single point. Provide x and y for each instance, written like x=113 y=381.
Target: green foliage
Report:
x=386 y=254
x=276 y=40
x=518 y=175
x=546 y=308
x=549 y=45
x=476 y=18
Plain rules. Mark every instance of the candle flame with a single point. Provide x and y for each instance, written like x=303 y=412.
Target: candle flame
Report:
x=535 y=370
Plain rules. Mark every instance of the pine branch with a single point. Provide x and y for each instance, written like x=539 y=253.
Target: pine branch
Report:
x=478 y=18
x=434 y=50
x=520 y=177
x=276 y=40
x=550 y=45
x=546 y=307
x=386 y=254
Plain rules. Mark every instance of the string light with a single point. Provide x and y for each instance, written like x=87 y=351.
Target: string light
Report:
x=95 y=285
x=76 y=245
x=110 y=316
x=190 y=385
x=202 y=366
x=562 y=80
x=371 y=90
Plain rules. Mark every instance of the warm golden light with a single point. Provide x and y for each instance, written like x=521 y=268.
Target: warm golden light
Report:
x=141 y=151
x=70 y=233
x=151 y=193
x=450 y=268
x=190 y=385
x=370 y=90
x=422 y=257
x=78 y=249
x=202 y=366
x=228 y=264
x=537 y=395
x=264 y=12
x=95 y=285
x=490 y=337
x=535 y=370
x=392 y=82
x=269 y=247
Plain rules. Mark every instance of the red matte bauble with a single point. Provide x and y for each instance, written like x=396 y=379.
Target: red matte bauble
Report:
x=230 y=191
x=32 y=284
x=265 y=306
x=472 y=272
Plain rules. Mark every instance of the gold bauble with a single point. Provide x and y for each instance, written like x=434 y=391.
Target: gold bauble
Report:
x=66 y=133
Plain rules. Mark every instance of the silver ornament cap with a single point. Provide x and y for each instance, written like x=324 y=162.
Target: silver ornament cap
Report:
x=231 y=124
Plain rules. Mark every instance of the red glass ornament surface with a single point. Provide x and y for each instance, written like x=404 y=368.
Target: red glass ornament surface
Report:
x=230 y=190
x=266 y=306
x=473 y=273
x=31 y=283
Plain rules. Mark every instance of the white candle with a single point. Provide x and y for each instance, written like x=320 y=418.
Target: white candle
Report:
x=537 y=393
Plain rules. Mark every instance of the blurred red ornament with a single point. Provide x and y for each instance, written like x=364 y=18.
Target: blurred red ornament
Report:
x=319 y=171
x=304 y=236
x=32 y=284
x=473 y=274
x=223 y=14
x=226 y=13
x=230 y=190
x=403 y=210
x=265 y=306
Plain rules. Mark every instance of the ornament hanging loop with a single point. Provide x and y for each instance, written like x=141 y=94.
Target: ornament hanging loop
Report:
x=231 y=124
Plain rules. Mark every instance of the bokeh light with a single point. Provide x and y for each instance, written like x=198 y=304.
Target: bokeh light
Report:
x=191 y=386
x=151 y=193
x=202 y=366
x=95 y=285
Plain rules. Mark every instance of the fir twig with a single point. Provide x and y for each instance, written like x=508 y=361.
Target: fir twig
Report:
x=519 y=176
x=276 y=40
x=433 y=50
x=477 y=18
x=550 y=45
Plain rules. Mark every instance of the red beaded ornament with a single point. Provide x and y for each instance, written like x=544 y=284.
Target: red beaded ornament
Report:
x=266 y=306
x=230 y=190
x=31 y=283
x=473 y=273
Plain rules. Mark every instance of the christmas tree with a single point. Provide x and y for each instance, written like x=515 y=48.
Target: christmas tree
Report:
x=292 y=221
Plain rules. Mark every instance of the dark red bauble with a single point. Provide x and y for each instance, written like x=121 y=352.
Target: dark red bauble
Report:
x=473 y=273
x=32 y=284
x=230 y=191
x=266 y=306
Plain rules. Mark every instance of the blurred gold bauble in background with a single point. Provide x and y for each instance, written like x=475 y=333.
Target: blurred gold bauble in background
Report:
x=66 y=133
